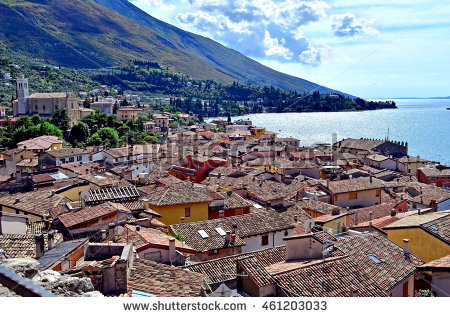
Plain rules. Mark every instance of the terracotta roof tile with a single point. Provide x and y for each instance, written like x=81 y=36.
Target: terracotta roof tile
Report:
x=39 y=202
x=355 y=184
x=90 y=213
x=394 y=266
x=163 y=280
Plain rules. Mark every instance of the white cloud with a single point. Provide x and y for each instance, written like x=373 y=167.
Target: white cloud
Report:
x=162 y=5
x=259 y=28
x=347 y=25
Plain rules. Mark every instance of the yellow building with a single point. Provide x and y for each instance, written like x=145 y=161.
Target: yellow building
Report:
x=428 y=234
x=177 y=203
x=14 y=156
x=333 y=224
x=72 y=192
x=257 y=132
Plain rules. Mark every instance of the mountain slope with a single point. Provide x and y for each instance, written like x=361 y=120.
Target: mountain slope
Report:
x=82 y=33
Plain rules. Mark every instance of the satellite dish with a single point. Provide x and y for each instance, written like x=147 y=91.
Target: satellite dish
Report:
x=308 y=224
x=84 y=194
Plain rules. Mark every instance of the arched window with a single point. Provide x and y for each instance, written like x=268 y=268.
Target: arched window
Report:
x=43 y=107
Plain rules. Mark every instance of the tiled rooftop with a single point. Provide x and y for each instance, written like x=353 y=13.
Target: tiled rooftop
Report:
x=355 y=184
x=334 y=277
x=148 y=236
x=89 y=213
x=39 y=202
x=40 y=143
x=247 y=225
x=174 y=195
x=225 y=268
x=163 y=280
x=65 y=152
x=442 y=264
x=394 y=266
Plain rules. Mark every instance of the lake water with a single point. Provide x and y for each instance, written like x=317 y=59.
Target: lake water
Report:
x=423 y=123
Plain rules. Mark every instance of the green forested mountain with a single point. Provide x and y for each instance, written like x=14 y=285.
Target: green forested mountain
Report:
x=88 y=34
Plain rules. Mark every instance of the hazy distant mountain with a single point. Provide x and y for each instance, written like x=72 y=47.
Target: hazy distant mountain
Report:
x=88 y=34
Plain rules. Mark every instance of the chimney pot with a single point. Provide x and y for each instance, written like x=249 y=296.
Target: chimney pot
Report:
x=103 y=231
x=172 y=249
x=228 y=236
x=39 y=240
x=111 y=231
x=51 y=239
x=406 y=246
x=182 y=220
x=138 y=228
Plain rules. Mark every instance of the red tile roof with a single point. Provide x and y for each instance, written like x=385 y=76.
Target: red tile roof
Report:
x=90 y=213
x=163 y=280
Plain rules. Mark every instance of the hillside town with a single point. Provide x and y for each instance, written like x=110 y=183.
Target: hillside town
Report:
x=216 y=209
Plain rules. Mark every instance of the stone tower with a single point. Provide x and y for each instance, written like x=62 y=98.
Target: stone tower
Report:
x=22 y=95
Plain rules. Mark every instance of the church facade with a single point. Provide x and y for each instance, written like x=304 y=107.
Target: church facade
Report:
x=44 y=104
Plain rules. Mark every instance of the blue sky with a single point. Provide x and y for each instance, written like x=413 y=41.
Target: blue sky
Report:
x=370 y=48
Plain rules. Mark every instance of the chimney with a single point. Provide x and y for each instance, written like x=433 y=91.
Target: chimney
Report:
x=138 y=228
x=17 y=200
x=111 y=231
x=228 y=236
x=356 y=218
x=234 y=231
x=39 y=240
x=328 y=183
x=418 y=211
x=233 y=237
x=295 y=219
x=181 y=219
x=221 y=214
x=393 y=212
x=406 y=247
x=370 y=178
x=370 y=218
x=172 y=250
x=103 y=234
x=51 y=239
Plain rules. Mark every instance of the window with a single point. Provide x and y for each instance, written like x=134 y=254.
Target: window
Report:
x=187 y=212
x=353 y=195
x=265 y=239
x=203 y=234
x=79 y=158
x=71 y=159
x=374 y=259
x=378 y=193
x=220 y=231
x=335 y=197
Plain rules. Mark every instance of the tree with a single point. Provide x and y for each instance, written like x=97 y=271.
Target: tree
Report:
x=36 y=119
x=25 y=122
x=79 y=133
x=106 y=136
x=86 y=103
x=229 y=119
x=60 y=119
x=115 y=107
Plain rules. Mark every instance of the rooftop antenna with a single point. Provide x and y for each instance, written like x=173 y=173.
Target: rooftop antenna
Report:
x=387 y=138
